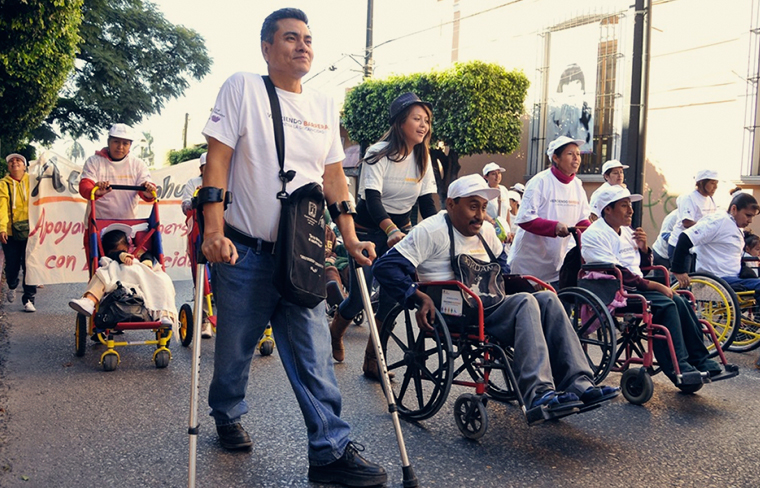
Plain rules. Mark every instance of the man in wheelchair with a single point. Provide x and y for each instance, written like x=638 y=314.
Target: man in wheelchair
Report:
x=551 y=368
x=611 y=240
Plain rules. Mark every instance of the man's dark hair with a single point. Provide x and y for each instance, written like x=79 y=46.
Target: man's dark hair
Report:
x=270 y=23
x=744 y=200
x=112 y=240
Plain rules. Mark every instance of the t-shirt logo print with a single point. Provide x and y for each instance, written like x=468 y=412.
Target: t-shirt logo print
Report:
x=312 y=209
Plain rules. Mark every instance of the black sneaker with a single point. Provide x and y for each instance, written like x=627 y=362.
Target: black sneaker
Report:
x=350 y=470
x=233 y=437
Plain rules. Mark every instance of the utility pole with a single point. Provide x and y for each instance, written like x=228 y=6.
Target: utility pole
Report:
x=633 y=151
x=184 y=131
x=368 y=61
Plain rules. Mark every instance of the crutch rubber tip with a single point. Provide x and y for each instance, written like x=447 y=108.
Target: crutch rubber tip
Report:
x=410 y=480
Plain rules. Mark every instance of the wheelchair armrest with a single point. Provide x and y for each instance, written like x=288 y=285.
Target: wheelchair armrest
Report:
x=665 y=273
x=597 y=267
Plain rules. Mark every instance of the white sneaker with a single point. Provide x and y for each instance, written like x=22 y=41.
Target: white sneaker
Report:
x=83 y=305
x=166 y=321
x=10 y=295
x=207 y=332
x=29 y=307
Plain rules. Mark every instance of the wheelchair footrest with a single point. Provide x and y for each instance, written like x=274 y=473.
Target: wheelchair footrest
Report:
x=693 y=378
x=731 y=370
x=539 y=414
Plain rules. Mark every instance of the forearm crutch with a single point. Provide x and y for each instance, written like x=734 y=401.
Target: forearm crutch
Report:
x=410 y=480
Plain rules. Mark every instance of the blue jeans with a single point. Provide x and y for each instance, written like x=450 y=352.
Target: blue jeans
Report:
x=246 y=301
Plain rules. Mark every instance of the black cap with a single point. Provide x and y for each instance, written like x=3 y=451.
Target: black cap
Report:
x=402 y=102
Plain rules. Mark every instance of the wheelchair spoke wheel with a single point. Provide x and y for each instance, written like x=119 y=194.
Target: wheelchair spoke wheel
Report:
x=496 y=366
x=186 y=324
x=717 y=304
x=747 y=338
x=595 y=327
x=80 y=335
x=470 y=416
x=421 y=362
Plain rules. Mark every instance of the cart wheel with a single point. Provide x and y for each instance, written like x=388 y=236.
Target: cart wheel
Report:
x=359 y=318
x=162 y=359
x=110 y=361
x=470 y=415
x=690 y=389
x=267 y=347
x=80 y=335
x=637 y=386
x=186 y=325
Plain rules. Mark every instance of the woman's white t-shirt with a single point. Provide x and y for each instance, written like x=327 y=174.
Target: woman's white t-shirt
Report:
x=718 y=243
x=399 y=182
x=693 y=206
x=601 y=244
x=548 y=198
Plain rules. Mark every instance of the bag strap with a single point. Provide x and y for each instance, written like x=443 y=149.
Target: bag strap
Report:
x=10 y=202
x=452 y=256
x=279 y=138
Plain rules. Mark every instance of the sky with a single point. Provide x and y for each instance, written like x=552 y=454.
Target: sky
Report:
x=231 y=31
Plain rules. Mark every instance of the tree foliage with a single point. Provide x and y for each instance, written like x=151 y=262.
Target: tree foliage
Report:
x=37 y=46
x=477 y=108
x=182 y=155
x=131 y=62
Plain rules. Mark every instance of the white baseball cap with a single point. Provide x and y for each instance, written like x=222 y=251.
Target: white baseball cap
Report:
x=129 y=230
x=613 y=163
x=470 y=185
x=122 y=131
x=203 y=158
x=612 y=194
x=492 y=167
x=561 y=141
x=519 y=188
x=513 y=195
x=16 y=155
x=706 y=174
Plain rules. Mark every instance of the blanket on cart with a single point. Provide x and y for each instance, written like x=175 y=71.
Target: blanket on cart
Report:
x=154 y=286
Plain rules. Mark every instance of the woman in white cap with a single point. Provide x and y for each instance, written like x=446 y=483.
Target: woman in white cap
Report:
x=115 y=165
x=613 y=172
x=497 y=213
x=693 y=206
x=396 y=173
x=612 y=240
x=554 y=200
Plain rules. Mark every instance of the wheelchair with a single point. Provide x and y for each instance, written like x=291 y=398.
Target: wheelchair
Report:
x=148 y=238
x=459 y=352
x=638 y=332
x=747 y=336
x=186 y=323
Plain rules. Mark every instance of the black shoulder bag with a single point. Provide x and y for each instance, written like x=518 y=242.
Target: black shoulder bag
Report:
x=299 y=251
x=121 y=305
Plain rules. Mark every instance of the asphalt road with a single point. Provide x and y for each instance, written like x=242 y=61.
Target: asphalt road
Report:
x=64 y=422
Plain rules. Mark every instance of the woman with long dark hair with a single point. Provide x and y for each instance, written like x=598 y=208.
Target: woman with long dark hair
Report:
x=396 y=175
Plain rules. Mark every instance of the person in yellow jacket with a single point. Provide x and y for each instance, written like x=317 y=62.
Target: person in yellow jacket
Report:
x=14 y=227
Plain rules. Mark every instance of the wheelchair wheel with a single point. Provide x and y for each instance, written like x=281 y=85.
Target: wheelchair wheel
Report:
x=186 y=325
x=595 y=327
x=421 y=362
x=470 y=416
x=637 y=386
x=110 y=361
x=747 y=338
x=499 y=386
x=716 y=303
x=80 y=335
x=162 y=359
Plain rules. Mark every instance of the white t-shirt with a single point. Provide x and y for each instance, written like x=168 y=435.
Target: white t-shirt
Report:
x=189 y=190
x=692 y=206
x=493 y=211
x=242 y=120
x=117 y=204
x=427 y=247
x=660 y=245
x=601 y=244
x=719 y=244
x=399 y=182
x=548 y=198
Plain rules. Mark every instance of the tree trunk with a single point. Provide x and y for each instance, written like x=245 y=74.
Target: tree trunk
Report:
x=449 y=171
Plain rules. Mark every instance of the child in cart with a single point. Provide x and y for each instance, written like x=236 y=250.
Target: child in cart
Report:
x=156 y=285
